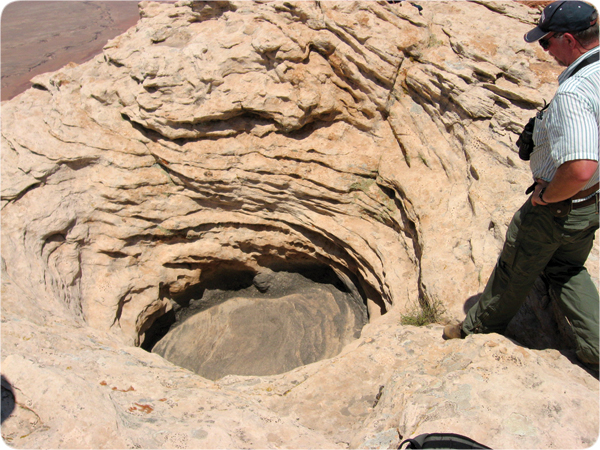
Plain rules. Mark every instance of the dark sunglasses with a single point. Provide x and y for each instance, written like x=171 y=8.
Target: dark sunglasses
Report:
x=545 y=42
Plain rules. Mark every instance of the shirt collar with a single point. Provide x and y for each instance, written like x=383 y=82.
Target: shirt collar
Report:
x=569 y=70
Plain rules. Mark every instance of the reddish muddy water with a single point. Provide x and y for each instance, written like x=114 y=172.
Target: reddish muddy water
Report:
x=43 y=36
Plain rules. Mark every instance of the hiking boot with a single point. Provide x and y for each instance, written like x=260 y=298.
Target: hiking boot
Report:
x=454 y=331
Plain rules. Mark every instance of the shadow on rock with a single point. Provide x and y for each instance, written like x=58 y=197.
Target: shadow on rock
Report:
x=539 y=324
x=8 y=399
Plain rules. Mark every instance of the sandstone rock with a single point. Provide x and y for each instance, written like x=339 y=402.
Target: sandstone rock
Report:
x=397 y=382
x=257 y=337
x=218 y=138
x=265 y=335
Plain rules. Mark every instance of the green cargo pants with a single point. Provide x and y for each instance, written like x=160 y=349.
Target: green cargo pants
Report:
x=537 y=242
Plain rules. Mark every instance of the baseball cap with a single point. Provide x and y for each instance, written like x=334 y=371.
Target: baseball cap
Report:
x=563 y=16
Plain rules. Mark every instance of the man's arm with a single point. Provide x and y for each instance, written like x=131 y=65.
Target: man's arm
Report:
x=570 y=178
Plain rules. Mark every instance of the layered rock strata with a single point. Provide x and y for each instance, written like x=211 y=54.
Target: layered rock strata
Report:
x=373 y=139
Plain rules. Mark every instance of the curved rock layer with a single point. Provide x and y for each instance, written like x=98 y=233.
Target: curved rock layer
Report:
x=373 y=138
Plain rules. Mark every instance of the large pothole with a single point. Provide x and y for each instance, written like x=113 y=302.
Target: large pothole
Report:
x=238 y=322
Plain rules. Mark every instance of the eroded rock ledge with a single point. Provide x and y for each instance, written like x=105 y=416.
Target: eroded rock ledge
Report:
x=372 y=140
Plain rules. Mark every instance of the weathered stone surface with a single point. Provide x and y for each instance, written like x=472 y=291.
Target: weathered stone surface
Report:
x=265 y=335
x=399 y=381
x=373 y=138
x=77 y=387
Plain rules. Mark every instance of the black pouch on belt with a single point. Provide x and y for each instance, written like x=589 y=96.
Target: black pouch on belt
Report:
x=561 y=209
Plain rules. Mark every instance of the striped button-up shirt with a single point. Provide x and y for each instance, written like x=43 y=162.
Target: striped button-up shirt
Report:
x=569 y=129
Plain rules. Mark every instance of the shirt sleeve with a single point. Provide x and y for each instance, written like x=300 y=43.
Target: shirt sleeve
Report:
x=573 y=129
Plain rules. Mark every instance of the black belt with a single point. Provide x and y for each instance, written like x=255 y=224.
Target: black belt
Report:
x=568 y=204
x=590 y=201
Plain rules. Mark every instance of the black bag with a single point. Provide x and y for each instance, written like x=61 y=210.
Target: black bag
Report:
x=525 y=141
x=442 y=440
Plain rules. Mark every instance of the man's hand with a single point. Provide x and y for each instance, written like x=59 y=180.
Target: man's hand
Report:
x=569 y=179
x=535 y=198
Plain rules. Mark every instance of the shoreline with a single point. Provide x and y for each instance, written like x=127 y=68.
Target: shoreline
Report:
x=43 y=36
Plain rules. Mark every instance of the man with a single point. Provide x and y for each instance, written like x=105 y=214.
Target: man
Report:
x=544 y=237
